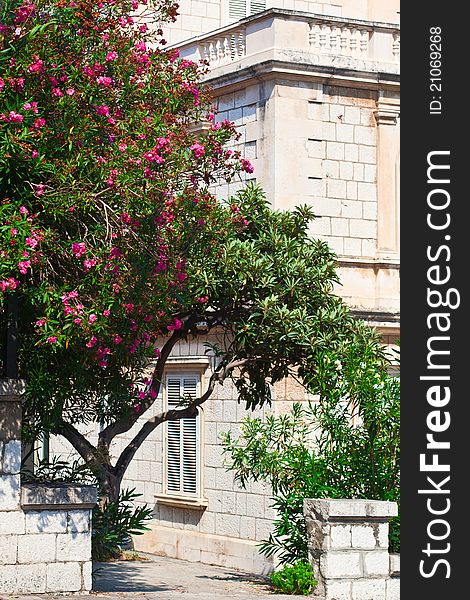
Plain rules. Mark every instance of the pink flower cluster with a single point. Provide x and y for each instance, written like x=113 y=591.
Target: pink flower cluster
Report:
x=177 y=324
x=9 y=284
x=78 y=249
x=194 y=91
x=101 y=355
x=89 y=263
x=24 y=11
x=12 y=117
x=102 y=110
x=91 y=342
x=111 y=181
x=17 y=84
x=39 y=189
x=76 y=310
x=38 y=123
x=31 y=106
x=247 y=166
x=153 y=156
x=198 y=150
x=104 y=81
x=37 y=66
x=23 y=266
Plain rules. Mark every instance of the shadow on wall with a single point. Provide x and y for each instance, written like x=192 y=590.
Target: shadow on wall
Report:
x=176 y=516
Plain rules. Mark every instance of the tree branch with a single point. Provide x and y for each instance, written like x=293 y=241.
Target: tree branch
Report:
x=124 y=424
x=86 y=450
x=173 y=415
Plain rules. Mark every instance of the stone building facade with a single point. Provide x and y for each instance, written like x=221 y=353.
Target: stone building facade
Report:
x=202 y=16
x=316 y=101
x=313 y=89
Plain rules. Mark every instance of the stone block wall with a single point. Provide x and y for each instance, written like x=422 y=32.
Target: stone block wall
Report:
x=344 y=194
x=313 y=144
x=194 y=17
x=348 y=546
x=45 y=530
x=329 y=147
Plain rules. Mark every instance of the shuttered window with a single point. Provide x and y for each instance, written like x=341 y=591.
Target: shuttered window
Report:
x=182 y=456
x=239 y=9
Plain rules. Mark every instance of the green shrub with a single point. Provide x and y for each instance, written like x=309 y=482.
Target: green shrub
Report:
x=114 y=522
x=295 y=579
x=346 y=445
x=59 y=471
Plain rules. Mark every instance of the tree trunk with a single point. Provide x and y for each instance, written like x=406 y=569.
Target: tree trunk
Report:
x=110 y=485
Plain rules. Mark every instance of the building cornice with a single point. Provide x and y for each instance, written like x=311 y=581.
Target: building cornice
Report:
x=290 y=70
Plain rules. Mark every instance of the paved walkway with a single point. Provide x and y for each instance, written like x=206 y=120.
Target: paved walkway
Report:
x=160 y=578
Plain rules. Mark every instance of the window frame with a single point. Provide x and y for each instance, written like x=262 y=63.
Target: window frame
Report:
x=181 y=497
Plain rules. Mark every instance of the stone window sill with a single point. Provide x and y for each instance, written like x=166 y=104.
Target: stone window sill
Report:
x=182 y=501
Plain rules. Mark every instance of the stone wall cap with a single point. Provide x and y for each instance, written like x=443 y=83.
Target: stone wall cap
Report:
x=326 y=509
x=11 y=388
x=53 y=496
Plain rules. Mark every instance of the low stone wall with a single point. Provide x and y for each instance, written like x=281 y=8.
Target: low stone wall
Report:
x=348 y=545
x=45 y=530
x=194 y=546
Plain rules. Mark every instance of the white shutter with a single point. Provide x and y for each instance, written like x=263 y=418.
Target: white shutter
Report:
x=257 y=6
x=182 y=443
x=239 y=9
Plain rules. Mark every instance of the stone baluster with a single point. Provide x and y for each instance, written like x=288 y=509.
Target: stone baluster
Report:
x=231 y=50
x=323 y=37
x=241 y=43
x=335 y=33
x=363 y=42
x=226 y=48
x=314 y=35
x=220 y=50
x=353 y=41
x=344 y=41
x=204 y=51
x=396 y=47
x=213 y=51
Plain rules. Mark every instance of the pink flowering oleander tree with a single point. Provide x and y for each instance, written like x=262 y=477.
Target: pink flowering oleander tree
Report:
x=113 y=247
x=104 y=201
